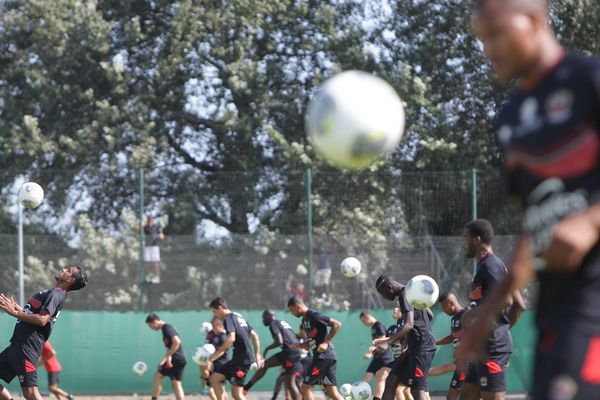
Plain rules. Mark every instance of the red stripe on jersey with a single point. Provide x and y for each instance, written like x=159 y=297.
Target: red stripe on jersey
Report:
x=590 y=372
x=576 y=157
x=29 y=366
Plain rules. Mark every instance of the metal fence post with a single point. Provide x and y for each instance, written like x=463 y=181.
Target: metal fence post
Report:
x=309 y=228
x=141 y=264
x=474 y=204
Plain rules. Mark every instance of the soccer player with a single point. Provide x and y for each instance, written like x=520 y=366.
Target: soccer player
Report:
x=216 y=337
x=452 y=308
x=322 y=370
x=289 y=357
x=548 y=134
x=239 y=334
x=53 y=368
x=173 y=363
x=414 y=369
x=398 y=350
x=33 y=328
x=379 y=365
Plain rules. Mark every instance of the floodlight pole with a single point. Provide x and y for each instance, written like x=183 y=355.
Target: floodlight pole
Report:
x=309 y=233
x=21 y=263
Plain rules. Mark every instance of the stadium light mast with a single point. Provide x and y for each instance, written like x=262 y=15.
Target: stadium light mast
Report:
x=21 y=262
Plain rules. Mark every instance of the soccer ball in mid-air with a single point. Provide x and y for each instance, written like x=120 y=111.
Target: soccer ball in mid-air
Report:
x=354 y=119
x=346 y=391
x=201 y=354
x=205 y=328
x=361 y=390
x=421 y=291
x=31 y=195
x=350 y=267
x=140 y=368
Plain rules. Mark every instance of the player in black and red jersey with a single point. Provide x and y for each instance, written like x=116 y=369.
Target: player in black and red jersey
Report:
x=323 y=367
x=33 y=328
x=549 y=136
x=216 y=337
x=380 y=365
x=173 y=363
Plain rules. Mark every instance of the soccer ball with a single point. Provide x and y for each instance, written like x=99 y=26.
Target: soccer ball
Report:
x=421 y=292
x=354 y=119
x=350 y=267
x=361 y=390
x=140 y=368
x=254 y=366
x=201 y=354
x=346 y=391
x=31 y=195
x=205 y=328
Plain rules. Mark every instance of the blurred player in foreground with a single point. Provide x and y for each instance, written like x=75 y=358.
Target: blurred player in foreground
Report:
x=53 y=368
x=549 y=135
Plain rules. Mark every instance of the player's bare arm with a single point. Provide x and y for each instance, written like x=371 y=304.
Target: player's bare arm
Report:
x=278 y=342
x=381 y=345
x=445 y=340
x=11 y=308
x=224 y=347
x=335 y=326
x=517 y=308
x=256 y=344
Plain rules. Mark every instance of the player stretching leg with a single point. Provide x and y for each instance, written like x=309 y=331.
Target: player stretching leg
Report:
x=239 y=335
x=33 y=328
x=379 y=365
x=289 y=357
x=323 y=367
x=549 y=135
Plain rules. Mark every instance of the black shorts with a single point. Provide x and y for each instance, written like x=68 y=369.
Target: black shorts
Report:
x=321 y=372
x=175 y=372
x=53 y=378
x=14 y=363
x=235 y=374
x=290 y=362
x=567 y=363
x=458 y=378
x=305 y=364
x=490 y=374
x=397 y=366
x=376 y=364
x=414 y=371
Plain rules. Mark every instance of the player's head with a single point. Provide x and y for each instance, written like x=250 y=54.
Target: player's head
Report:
x=154 y=322
x=219 y=308
x=71 y=278
x=387 y=287
x=297 y=307
x=478 y=234
x=217 y=325
x=396 y=313
x=267 y=317
x=514 y=34
x=367 y=318
x=150 y=220
x=449 y=303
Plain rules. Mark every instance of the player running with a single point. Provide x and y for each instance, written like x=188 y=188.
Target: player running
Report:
x=173 y=363
x=379 y=366
x=413 y=370
x=323 y=367
x=452 y=308
x=216 y=337
x=289 y=357
x=549 y=135
x=33 y=328
x=239 y=334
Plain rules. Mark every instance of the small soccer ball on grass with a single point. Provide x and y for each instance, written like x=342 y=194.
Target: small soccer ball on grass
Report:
x=361 y=390
x=350 y=267
x=355 y=119
x=346 y=391
x=422 y=291
x=140 y=368
x=31 y=195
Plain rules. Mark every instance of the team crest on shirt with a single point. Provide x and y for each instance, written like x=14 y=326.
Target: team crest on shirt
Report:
x=559 y=106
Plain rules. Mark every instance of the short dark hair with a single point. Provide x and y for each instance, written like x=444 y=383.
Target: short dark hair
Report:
x=383 y=279
x=444 y=296
x=152 y=317
x=217 y=320
x=364 y=314
x=482 y=228
x=218 y=302
x=268 y=312
x=80 y=281
x=294 y=301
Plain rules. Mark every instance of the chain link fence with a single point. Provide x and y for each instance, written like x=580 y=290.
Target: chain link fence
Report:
x=245 y=236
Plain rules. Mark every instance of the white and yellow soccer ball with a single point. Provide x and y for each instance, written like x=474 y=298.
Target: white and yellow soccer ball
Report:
x=201 y=354
x=205 y=328
x=31 y=195
x=350 y=267
x=140 y=368
x=422 y=291
x=346 y=391
x=361 y=390
x=354 y=119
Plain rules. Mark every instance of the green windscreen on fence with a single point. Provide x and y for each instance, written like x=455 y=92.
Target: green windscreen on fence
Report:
x=98 y=349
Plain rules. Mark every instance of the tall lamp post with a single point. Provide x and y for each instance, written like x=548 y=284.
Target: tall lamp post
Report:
x=21 y=268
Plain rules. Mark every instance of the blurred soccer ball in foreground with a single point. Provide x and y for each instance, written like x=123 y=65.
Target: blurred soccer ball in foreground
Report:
x=346 y=391
x=140 y=368
x=350 y=267
x=421 y=291
x=354 y=119
x=361 y=390
x=31 y=195
x=201 y=354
